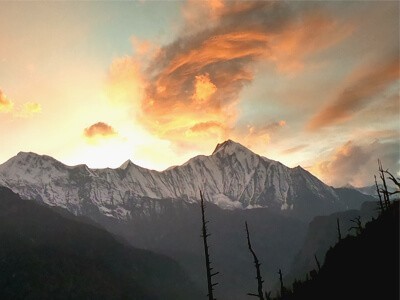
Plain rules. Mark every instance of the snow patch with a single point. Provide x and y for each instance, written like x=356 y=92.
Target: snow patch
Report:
x=251 y=206
x=225 y=202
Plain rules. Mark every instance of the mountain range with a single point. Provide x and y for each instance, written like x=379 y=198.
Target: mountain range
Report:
x=159 y=211
x=233 y=177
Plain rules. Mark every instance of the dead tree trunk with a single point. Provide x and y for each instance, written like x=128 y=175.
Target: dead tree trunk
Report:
x=257 y=264
x=317 y=261
x=379 y=195
x=338 y=229
x=205 y=235
x=281 y=282
x=385 y=189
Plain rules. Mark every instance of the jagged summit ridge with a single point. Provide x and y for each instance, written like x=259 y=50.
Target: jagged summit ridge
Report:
x=229 y=147
x=233 y=177
x=126 y=164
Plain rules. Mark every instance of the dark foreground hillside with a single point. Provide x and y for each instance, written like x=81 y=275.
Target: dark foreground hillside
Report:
x=359 y=267
x=322 y=235
x=44 y=255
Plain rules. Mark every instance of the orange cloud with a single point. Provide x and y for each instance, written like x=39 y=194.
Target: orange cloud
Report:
x=195 y=12
x=22 y=111
x=99 y=129
x=362 y=86
x=206 y=126
x=204 y=88
x=314 y=32
x=258 y=135
x=272 y=126
x=6 y=105
x=144 y=48
x=352 y=162
x=294 y=149
x=198 y=78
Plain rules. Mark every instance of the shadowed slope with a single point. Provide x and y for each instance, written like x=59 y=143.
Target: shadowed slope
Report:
x=44 y=255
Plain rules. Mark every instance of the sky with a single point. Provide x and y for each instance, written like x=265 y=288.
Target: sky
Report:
x=306 y=83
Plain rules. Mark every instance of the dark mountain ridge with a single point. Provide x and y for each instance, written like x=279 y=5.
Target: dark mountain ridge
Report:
x=45 y=255
x=365 y=266
x=322 y=234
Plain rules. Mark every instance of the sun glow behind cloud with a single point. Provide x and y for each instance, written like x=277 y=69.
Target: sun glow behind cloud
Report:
x=291 y=80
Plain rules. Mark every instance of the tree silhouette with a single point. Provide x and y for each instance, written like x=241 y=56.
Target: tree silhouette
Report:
x=257 y=264
x=384 y=190
x=283 y=289
x=395 y=181
x=358 y=225
x=338 y=229
x=317 y=261
x=379 y=195
x=205 y=235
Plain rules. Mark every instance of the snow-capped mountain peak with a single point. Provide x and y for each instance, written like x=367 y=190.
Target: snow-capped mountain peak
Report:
x=229 y=147
x=232 y=177
x=126 y=164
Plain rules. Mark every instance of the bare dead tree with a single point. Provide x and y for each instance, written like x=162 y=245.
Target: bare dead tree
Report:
x=281 y=283
x=358 y=225
x=392 y=178
x=379 y=195
x=205 y=235
x=338 y=229
x=257 y=265
x=384 y=190
x=395 y=181
x=317 y=261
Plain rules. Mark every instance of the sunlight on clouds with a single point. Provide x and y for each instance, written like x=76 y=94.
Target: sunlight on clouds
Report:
x=131 y=142
x=99 y=131
x=6 y=105
x=188 y=91
x=353 y=162
x=204 y=88
x=30 y=108
x=361 y=88
x=111 y=153
x=25 y=110
x=198 y=127
x=195 y=12
x=257 y=72
x=124 y=84
x=145 y=49
x=294 y=44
